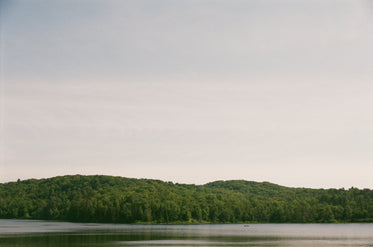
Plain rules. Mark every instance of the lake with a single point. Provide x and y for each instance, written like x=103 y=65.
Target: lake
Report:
x=46 y=233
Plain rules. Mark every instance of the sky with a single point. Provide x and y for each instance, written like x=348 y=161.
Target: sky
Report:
x=188 y=91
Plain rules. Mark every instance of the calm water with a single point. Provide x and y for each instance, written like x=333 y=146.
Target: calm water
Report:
x=42 y=233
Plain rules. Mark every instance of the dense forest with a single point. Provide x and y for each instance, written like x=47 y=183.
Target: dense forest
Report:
x=125 y=200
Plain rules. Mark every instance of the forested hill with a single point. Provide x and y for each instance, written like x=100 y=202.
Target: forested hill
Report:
x=125 y=200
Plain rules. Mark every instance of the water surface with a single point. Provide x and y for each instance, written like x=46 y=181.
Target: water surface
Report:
x=44 y=233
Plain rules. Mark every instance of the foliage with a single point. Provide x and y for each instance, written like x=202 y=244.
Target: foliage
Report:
x=125 y=200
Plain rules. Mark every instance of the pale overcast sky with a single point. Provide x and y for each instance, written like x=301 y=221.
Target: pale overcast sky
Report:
x=188 y=91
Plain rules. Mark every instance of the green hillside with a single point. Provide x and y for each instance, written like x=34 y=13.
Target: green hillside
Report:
x=125 y=200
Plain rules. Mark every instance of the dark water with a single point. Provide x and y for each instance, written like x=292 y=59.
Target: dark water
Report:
x=42 y=233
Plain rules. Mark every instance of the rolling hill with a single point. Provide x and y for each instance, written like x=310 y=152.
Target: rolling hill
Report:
x=111 y=199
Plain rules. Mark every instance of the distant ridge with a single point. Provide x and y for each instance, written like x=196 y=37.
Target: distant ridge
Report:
x=100 y=198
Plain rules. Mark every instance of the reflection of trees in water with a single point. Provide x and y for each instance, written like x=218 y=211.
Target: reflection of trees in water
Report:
x=75 y=238
x=99 y=238
x=197 y=235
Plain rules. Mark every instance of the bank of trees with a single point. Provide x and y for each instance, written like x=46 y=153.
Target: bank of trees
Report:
x=124 y=200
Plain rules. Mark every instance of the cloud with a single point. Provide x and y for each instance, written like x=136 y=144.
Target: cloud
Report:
x=117 y=126
x=163 y=39
x=128 y=87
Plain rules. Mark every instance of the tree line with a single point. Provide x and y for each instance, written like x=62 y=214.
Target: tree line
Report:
x=125 y=200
